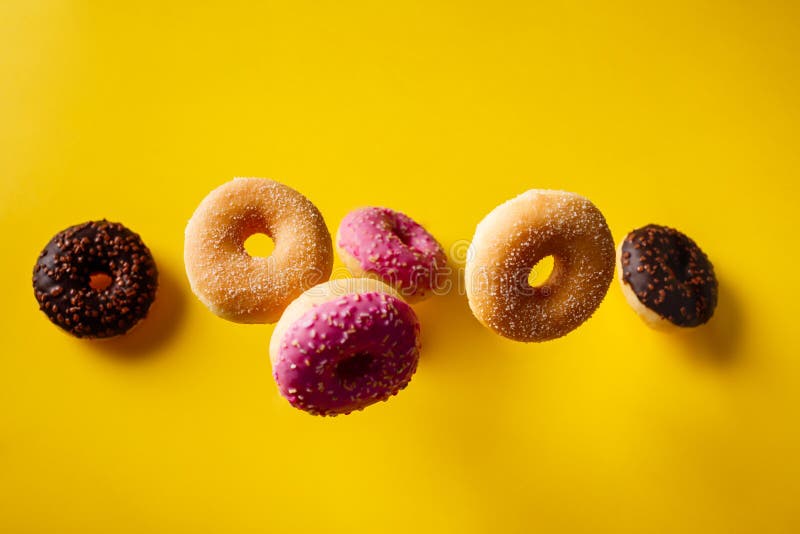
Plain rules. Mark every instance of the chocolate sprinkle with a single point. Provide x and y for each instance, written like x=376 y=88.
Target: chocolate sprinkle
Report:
x=61 y=279
x=669 y=274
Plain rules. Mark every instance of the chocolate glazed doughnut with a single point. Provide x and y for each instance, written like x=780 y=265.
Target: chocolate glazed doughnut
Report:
x=666 y=277
x=62 y=279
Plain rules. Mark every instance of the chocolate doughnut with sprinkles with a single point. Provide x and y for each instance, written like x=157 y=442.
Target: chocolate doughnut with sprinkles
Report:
x=666 y=277
x=68 y=276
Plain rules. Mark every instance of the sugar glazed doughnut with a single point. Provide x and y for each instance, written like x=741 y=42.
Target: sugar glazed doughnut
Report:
x=666 y=277
x=246 y=289
x=62 y=279
x=344 y=345
x=509 y=242
x=390 y=246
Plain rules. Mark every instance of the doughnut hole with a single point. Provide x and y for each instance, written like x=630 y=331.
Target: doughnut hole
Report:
x=541 y=271
x=404 y=237
x=100 y=281
x=354 y=367
x=259 y=245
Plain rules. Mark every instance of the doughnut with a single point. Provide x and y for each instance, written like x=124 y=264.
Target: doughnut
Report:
x=509 y=242
x=666 y=278
x=246 y=289
x=62 y=279
x=390 y=246
x=344 y=345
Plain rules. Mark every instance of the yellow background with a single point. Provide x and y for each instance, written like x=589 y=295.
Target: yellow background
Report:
x=684 y=115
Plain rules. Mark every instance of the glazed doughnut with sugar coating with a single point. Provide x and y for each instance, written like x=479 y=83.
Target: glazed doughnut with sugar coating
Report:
x=509 y=242
x=246 y=289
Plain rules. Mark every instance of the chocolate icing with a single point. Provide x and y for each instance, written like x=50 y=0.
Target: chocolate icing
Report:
x=669 y=274
x=61 y=279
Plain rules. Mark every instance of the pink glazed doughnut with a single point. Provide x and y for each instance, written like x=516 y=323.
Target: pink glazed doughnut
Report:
x=390 y=246
x=344 y=345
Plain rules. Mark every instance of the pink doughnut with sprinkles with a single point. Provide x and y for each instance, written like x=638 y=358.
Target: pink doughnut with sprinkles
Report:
x=344 y=345
x=390 y=246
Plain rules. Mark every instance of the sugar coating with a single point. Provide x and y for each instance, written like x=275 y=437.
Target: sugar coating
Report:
x=246 y=289
x=347 y=353
x=509 y=242
x=394 y=248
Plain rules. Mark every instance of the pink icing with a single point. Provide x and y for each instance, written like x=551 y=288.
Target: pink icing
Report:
x=347 y=353
x=394 y=247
